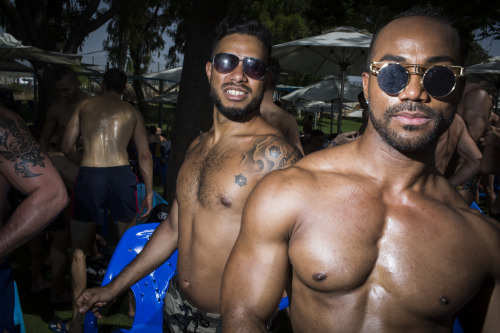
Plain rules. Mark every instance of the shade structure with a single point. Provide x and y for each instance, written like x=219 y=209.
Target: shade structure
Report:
x=486 y=74
x=172 y=74
x=11 y=48
x=342 y=51
x=326 y=90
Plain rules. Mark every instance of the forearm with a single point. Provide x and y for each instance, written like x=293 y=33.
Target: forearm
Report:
x=31 y=217
x=146 y=170
x=157 y=250
x=465 y=172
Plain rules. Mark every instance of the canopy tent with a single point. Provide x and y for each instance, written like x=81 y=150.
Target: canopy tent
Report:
x=342 y=51
x=11 y=48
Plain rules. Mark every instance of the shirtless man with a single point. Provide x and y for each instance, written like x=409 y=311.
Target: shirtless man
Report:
x=275 y=115
x=372 y=237
x=220 y=169
x=60 y=111
x=106 y=125
x=24 y=166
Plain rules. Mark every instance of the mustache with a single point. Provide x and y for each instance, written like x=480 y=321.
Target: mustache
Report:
x=240 y=85
x=411 y=106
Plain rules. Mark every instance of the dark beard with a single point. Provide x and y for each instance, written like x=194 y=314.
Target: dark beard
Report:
x=237 y=114
x=401 y=143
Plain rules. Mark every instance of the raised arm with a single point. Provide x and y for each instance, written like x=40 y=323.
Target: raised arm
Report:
x=24 y=165
x=157 y=250
x=469 y=153
x=256 y=272
x=145 y=164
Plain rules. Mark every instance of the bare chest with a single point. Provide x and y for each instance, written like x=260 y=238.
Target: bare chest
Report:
x=388 y=253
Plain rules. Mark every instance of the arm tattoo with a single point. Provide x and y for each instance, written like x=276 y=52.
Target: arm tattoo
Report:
x=267 y=154
x=18 y=146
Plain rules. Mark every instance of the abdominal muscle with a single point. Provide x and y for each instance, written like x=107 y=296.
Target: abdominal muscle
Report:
x=204 y=247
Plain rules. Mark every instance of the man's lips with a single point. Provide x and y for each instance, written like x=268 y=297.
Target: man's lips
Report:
x=411 y=118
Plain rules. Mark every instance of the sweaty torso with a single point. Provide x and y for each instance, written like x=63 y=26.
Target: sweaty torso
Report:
x=367 y=257
x=212 y=188
x=106 y=126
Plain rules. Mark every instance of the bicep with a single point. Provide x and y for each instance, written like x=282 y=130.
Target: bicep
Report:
x=256 y=272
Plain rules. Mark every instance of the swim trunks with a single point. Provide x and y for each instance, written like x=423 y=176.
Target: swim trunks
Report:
x=179 y=316
x=470 y=186
x=98 y=189
x=7 y=297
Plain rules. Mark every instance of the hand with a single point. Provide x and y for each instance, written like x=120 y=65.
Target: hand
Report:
x=147 y=204
x=346 y=137
x=94 y=299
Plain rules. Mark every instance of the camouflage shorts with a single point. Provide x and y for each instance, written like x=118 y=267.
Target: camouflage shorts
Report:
x=179 y=316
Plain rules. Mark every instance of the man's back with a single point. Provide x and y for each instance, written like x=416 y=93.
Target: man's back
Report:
x=213 y=184
x=106 y=125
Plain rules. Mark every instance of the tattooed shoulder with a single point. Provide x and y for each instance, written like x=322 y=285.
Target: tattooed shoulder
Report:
x=18 y=147
x=266 y=154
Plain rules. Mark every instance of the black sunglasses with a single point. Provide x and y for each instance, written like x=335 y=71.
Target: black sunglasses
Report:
x=438 y=81
x=227 y=62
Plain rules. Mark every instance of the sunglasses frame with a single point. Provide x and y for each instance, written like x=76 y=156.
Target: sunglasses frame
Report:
x=377 y=66
x=241 y=59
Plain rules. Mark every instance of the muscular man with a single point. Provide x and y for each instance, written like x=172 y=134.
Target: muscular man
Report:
x=220 y=169
x=24 y=166
x=275 y=115
x=369 y=236
x=104 y=179
x=60 y=111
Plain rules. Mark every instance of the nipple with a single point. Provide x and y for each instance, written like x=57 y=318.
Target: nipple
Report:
x=319 y=277
x=226 y=202
x=444 y=300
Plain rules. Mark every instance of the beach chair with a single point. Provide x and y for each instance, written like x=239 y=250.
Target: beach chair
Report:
x=149 y=292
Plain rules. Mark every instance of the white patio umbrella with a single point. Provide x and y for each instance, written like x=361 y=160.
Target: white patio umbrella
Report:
x=486 y=74
x=342 y=51
x=168 y=98
x=326 y=90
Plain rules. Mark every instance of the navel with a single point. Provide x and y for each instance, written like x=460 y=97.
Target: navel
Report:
x=226 y=202
x=444 y=300
x=319 y=277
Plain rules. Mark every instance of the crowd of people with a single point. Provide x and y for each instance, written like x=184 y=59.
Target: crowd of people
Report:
x=366 y=231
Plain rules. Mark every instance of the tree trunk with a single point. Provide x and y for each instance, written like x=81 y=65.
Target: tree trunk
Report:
x=194 y=108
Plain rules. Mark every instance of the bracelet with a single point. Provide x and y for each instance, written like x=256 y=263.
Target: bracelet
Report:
x=334 y=143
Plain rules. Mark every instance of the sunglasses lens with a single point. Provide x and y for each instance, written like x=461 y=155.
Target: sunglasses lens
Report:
x=225 y=63
x=254 y=68
x=392 y=79
x=439 y=81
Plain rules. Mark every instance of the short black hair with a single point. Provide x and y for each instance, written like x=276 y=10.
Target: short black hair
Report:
x=63 y=71
x=240 y=25
x=430 y=12
x=115 y=80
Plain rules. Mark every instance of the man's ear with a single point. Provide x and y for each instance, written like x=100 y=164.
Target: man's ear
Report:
x=365 y=79
x=208 y=69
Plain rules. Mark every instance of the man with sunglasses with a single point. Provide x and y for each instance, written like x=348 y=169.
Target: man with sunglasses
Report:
x=220 y=169
x=369 y=237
